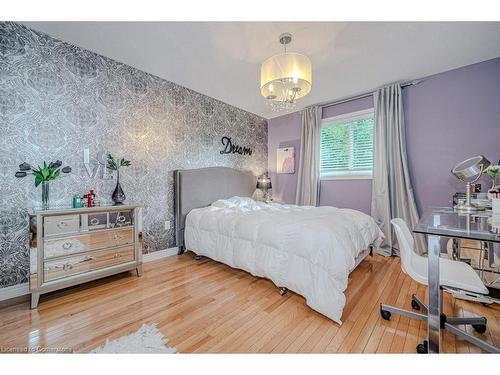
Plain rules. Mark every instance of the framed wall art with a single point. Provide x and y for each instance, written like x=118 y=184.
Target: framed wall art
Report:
x=285 y=160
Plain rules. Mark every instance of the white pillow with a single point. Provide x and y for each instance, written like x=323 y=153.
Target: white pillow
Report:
x=242 y=201
x=234 y=202
x=222 y=203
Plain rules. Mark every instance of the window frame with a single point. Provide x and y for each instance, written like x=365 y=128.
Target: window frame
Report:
x=342 y=119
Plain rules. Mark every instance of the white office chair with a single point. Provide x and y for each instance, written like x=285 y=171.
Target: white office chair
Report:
x=453 y=274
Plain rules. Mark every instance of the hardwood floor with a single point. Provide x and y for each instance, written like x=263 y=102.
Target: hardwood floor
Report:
x=205 y=306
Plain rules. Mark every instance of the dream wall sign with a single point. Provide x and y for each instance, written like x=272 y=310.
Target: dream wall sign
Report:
x=231 y=148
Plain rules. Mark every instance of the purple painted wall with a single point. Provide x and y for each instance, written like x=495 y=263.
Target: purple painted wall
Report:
x=449 y=117
x=284 y=131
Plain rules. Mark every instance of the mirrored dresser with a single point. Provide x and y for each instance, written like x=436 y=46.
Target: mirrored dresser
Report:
x=70 y=246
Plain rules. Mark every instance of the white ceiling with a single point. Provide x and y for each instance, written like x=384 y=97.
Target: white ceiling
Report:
x=223 y=60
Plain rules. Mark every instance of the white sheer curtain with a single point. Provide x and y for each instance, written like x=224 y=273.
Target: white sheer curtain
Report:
x=392 y=191
x=308 y=175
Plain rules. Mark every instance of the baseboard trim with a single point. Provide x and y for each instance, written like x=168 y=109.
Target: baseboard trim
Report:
x=155 y=255
x=14 y=291
x=23 y=289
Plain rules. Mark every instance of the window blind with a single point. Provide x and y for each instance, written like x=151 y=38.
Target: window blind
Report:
x=347 y=147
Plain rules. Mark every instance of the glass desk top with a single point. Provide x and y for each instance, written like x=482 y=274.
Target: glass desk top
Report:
x=444 y=221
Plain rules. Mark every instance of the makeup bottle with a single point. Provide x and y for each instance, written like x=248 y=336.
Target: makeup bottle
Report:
x=77 y=201
x=94 y=200
x=90 y=198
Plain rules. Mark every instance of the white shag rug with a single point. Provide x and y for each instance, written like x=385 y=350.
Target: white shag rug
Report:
x=146 y=340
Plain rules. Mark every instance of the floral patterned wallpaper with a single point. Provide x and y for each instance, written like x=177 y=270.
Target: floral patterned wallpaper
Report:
x=57 y=99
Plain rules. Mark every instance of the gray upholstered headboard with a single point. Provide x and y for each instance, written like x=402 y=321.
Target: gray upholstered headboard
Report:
x=196 y=188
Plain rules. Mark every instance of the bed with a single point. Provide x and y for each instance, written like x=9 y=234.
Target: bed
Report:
x=308 y=250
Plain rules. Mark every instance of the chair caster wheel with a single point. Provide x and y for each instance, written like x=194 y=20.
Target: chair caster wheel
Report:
x=386 y=315
x=422 y=349
x=415 y=305
x=480 y=328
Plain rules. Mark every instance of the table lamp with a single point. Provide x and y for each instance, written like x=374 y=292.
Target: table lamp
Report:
x=469 y=171
x=264 y=184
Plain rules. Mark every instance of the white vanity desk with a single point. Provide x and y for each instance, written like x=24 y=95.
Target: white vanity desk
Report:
x=70 y=246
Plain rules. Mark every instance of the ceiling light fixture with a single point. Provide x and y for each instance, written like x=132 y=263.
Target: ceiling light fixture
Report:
x=285 y=77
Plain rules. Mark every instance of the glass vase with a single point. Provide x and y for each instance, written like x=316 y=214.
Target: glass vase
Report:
x=118 y=195
x=45 y=195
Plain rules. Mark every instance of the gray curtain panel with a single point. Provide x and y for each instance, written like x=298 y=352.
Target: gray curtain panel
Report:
x=392 y=191
x=308 y=174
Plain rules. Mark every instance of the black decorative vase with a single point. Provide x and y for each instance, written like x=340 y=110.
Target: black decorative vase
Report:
x=118 y=195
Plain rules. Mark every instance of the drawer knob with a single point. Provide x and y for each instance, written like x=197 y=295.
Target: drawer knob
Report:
x=88 y=258
x=67 y=245
x=118 y=237
x=117 y=255
x=62 y=224
x=67 y=266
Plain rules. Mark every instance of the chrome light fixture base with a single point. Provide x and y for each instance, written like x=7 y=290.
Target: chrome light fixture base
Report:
x=285 y=38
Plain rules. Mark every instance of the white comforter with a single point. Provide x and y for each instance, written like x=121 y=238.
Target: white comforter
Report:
x=309 y=250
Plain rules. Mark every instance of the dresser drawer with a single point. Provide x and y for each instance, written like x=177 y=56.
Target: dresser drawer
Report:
x=61 y=268
x=472 y=244
x=62 y=224
x=96 y=221
x=87 y=242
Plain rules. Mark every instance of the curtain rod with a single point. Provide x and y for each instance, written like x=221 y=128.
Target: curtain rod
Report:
x=363 y=95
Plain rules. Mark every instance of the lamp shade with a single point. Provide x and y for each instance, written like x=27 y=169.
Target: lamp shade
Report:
x=285 y=74
x=264 y=183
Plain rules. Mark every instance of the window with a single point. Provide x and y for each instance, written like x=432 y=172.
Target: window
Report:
x=347 y=146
